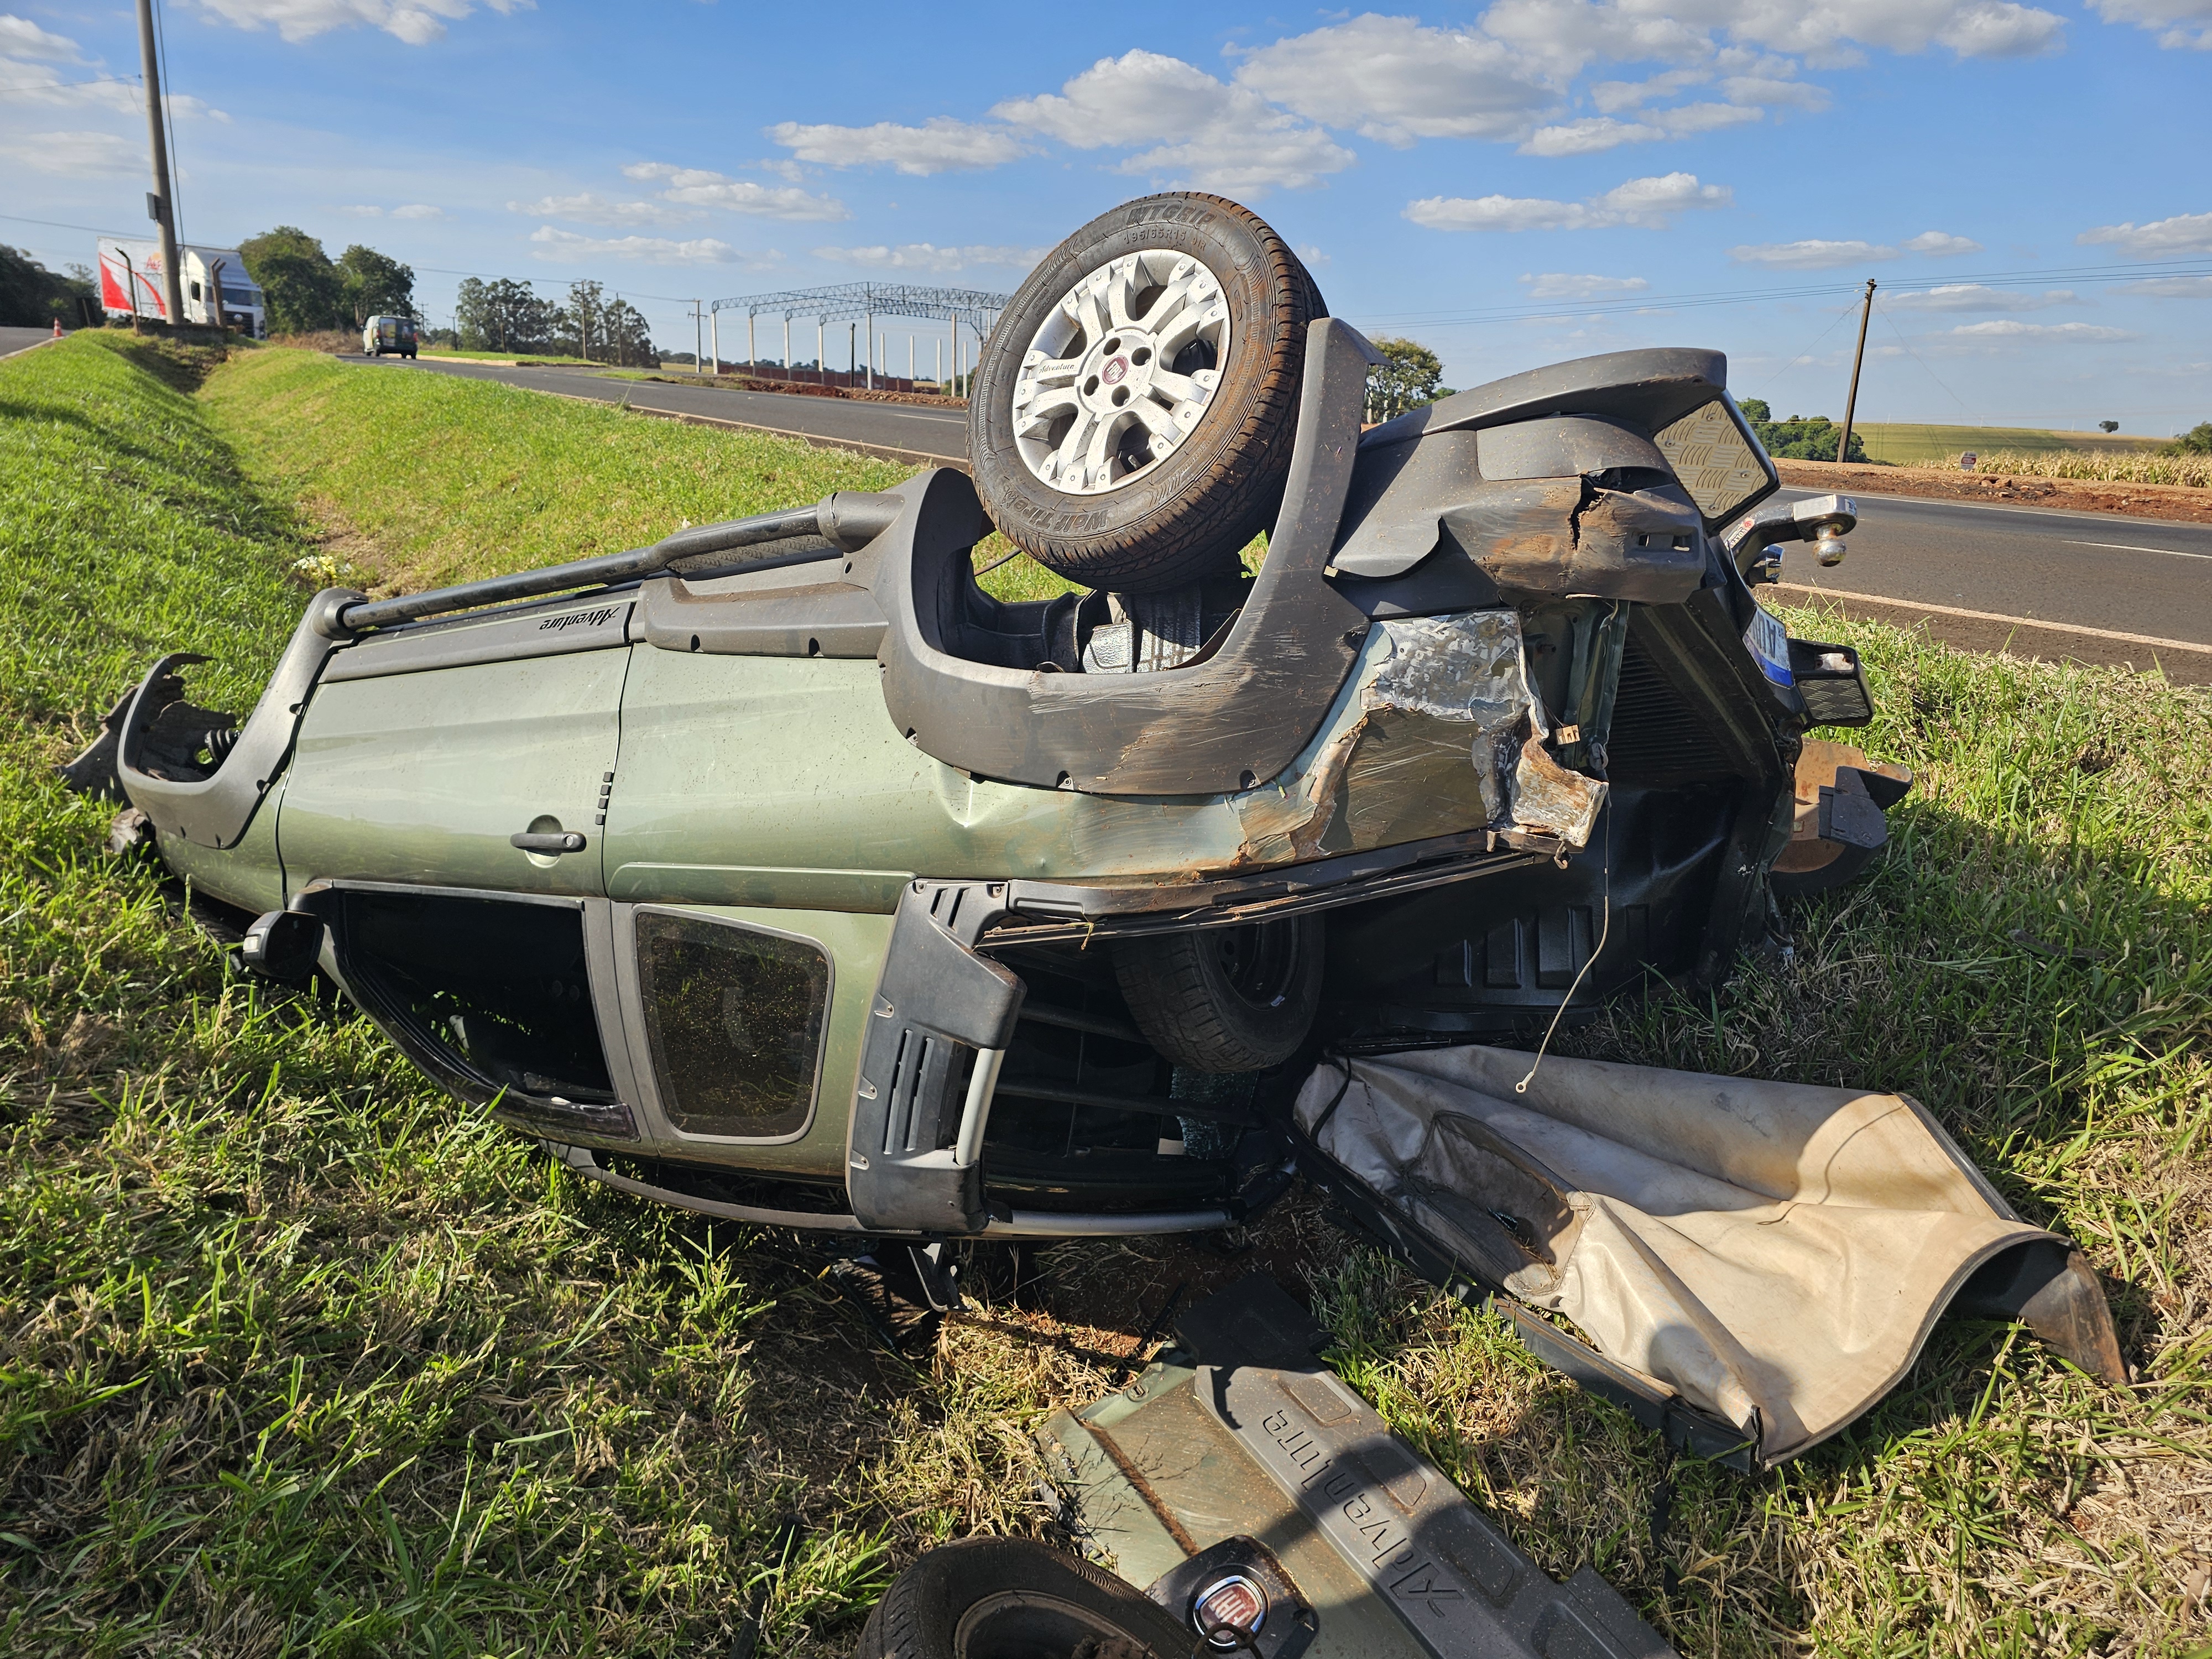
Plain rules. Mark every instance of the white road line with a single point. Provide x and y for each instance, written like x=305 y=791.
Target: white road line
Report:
x=2123 y=547
x=1804 y=490
x=1990 y=616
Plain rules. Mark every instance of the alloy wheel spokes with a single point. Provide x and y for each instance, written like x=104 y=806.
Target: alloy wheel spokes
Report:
x=1098 y=399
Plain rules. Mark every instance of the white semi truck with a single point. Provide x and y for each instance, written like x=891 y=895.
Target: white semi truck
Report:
x=217 y=291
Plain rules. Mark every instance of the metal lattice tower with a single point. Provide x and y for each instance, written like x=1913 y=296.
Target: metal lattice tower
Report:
x=856 y=301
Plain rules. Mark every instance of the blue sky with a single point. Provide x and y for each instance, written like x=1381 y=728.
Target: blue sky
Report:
x=1510 y=184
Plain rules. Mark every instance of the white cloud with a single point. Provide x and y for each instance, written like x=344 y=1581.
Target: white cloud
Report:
x=417 y=22
x=1975 y=296
x=1938 y=246
x=30 y=82
x=1648 y=203
x=940 y=144
x=1393 y=79
x=1599 y=133
x=697 y=187
x=20 y=38
x=412 y=211
x=1571 y=33
x=2170 y=288
x=1559 y=285
x=925 y=256
x=2185 y=23
x=1810 y=255
x=2063 y=333
x=2187 y=233
x=653 y=250
x=73 y=154
x=1216 y=136
x=585 y=209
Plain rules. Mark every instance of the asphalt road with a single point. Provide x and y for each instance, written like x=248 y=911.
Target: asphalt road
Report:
x=2089 y=587
x=2035 y=581
x=13 y=340
x=924 y=433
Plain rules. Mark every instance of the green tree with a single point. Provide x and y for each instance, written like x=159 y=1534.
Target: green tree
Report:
x=304 y=290
x=580 y=325
x=1409 y=376
x=1800 y=438
x=31 y=296
x=2198 y=440
x=500 y=315
x=375 y=284
x=628 y=339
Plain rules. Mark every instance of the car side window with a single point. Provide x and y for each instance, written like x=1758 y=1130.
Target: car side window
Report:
x=734 y=1017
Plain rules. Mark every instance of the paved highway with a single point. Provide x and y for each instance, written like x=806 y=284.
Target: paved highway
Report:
x=13 y=340
x=2091 y=587
x=2094 y=587
x=922 y=433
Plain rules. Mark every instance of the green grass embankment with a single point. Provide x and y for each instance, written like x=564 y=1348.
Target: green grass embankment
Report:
x=300 y=1358
x=452 y=479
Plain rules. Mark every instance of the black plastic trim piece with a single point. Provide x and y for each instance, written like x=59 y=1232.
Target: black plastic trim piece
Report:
x=1222 y=726
x=935 y=1000
x=825 y=619
x=215 y=811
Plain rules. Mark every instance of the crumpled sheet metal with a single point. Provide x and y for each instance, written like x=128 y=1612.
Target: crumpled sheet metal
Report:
x=1435 y=740
x=1775 y=1253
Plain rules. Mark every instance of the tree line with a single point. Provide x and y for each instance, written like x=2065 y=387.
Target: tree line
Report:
x=505 y=315
x=1800 y=438
x=307 y=291
x=304 y=291
x=31 y=296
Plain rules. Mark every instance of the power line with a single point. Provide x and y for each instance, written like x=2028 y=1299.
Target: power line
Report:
x=61 y=86
x=2121 y=271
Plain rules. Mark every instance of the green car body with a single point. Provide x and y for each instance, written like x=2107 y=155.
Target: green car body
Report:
x=737 y=883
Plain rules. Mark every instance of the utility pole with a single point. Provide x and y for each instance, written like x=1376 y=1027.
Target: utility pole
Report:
x=159 y=203
x=697 y=343
x=1851 y=403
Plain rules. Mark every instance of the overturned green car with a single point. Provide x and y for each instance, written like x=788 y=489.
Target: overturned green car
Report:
x=778 y=872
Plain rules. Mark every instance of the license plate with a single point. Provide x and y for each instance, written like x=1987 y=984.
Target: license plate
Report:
x=1769 y=641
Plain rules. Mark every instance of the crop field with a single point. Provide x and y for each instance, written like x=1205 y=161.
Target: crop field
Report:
x=2146 y=467
x=301 y=1358
x=1909 y=444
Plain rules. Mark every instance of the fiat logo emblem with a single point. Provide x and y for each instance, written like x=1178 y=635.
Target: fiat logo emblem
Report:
x=1115 y=372
x=1229 y=1610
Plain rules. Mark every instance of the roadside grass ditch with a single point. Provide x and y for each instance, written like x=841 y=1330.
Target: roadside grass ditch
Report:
x=297 y=1356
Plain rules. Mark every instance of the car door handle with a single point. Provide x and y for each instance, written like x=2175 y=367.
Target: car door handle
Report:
x=568 y=841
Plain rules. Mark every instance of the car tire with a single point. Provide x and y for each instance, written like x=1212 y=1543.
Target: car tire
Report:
x=1225 y=998
x=1007 y=1598
x=1097 y=505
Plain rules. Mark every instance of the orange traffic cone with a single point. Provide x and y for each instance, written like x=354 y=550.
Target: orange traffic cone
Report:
x=58 y=328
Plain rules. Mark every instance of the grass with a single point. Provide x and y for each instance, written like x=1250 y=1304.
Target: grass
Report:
x=1908 y=443
x=550 y=358
x=301 y=1359
x=440 y=480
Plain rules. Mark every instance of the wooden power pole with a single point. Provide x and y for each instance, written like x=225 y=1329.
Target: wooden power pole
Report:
x=160 y=203
x=1851 y=403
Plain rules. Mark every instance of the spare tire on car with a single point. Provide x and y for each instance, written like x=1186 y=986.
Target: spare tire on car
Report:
x=1131 y=416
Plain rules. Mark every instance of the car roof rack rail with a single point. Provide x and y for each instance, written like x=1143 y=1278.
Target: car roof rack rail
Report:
x=846 y=520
